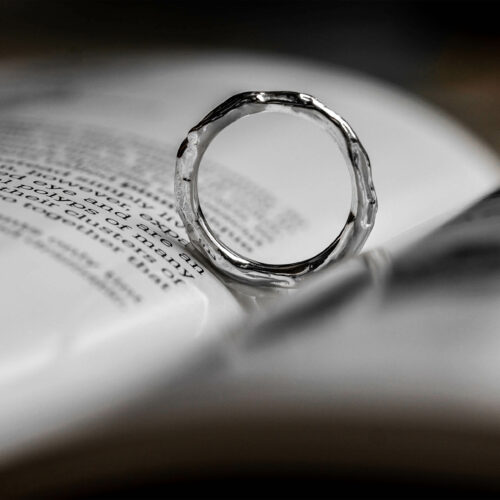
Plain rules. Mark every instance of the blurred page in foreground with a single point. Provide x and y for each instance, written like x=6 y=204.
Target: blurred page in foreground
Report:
x=393 y=358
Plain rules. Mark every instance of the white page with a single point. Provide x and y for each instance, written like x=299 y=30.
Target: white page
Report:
x=417 y=156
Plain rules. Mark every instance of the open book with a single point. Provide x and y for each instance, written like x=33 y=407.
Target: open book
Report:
x=108 y=318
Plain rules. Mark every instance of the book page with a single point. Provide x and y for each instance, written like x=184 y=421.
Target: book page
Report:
x=91 y=243
x=99 y=291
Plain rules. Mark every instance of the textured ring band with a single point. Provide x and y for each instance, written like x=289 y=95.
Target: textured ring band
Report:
x=363 y=202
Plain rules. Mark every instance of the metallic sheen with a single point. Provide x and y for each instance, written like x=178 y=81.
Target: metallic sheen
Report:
x=363 y=202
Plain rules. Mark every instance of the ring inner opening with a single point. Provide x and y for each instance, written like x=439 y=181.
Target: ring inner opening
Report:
x=275 y=188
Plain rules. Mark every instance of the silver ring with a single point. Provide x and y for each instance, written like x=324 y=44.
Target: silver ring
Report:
x=363 y=202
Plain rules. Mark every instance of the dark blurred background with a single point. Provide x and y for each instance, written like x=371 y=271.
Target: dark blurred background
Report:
x=445 y=51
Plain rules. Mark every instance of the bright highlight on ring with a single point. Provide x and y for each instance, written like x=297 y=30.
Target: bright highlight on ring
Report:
x=348 y=242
